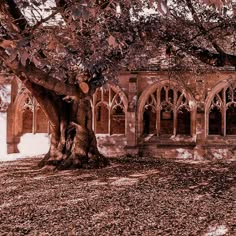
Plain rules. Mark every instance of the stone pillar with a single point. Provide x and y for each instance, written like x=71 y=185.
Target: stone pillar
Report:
x=199 y=151
x=12 y=140
x=131 y=120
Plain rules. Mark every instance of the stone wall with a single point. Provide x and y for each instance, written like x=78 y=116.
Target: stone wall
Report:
x=153 y=113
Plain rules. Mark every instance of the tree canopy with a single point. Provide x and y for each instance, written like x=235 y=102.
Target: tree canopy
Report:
x=66 y=39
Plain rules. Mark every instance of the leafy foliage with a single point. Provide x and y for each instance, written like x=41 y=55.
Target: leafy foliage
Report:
x=99 y=38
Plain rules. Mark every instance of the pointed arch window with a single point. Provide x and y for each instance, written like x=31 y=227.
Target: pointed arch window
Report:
x=215 y=115
x=34 y=120
x=117 y=116
x=222 y=112
x=149 y=115
x=102 y=117
x=183 y=126
x=183 y=121
x=27 y=114
x=41 y=121
x=167 y=112
x=109 y=112
x=231 y=119
x=27 y=121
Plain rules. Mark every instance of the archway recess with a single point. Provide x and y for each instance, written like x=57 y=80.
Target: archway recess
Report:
x=166 y=108
x=109 y=110
x=220 y=113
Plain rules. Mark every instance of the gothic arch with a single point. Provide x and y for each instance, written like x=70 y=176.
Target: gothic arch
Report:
x=112 y=100
x=15 y=119
x=18 y=112
x=184 y=99
x=37 y=122
x=221 y=100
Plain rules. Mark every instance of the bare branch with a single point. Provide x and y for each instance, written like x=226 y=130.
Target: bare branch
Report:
x=202 y=28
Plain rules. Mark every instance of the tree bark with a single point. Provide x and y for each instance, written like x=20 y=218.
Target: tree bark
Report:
x=73 y=143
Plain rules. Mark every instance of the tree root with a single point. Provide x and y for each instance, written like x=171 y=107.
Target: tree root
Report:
x=74 y=162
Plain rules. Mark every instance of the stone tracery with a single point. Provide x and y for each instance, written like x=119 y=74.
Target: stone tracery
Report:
x=109 y=112
x=167 y=112
x=222 y=111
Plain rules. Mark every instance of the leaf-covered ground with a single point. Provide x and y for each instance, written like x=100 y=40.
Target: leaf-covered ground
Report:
x=130 y=197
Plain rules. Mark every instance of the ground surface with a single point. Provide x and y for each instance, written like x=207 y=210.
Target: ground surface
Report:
x=130 y=197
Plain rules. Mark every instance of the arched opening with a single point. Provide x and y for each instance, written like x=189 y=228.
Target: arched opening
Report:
x=101 y=119
x=30 y=124
x=215 y=121
x=41 y=121
x=183 y=122
x=167 y=115
x=149 y=120
x=27 y=126
x=222 y=109
x=167 y=122
x=171 y=113
x=117 y=120
x=231 y=120
x=109 y=111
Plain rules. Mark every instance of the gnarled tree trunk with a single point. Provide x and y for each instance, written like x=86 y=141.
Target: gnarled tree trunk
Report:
x=73 y=142
x=68 y=108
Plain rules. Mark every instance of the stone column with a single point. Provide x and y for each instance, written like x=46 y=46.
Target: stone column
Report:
x=199 y=150
x=12 y=139
x=131 y=120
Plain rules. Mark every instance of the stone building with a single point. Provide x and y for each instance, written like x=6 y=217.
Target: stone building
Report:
x=180 y=115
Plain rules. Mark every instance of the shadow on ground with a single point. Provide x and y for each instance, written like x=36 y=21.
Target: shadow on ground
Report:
x=141 y=196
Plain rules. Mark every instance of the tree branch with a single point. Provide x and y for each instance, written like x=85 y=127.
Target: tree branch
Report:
x=17 y=15
x=37 y=76
x=210 y=58
x=202 y=28
x=32 y=29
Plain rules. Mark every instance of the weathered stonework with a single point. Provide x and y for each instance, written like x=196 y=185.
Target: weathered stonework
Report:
x=24 y=115
x=150 y=113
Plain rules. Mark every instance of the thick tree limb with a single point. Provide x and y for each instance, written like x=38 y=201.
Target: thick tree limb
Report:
x=37 y=76
x=46 y=99
x=210 y=58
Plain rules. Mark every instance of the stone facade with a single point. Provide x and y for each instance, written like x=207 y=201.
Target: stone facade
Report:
x=150 y=113
x=24 y=115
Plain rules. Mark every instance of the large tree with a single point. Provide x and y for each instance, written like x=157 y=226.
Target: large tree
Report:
x=64 y=55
